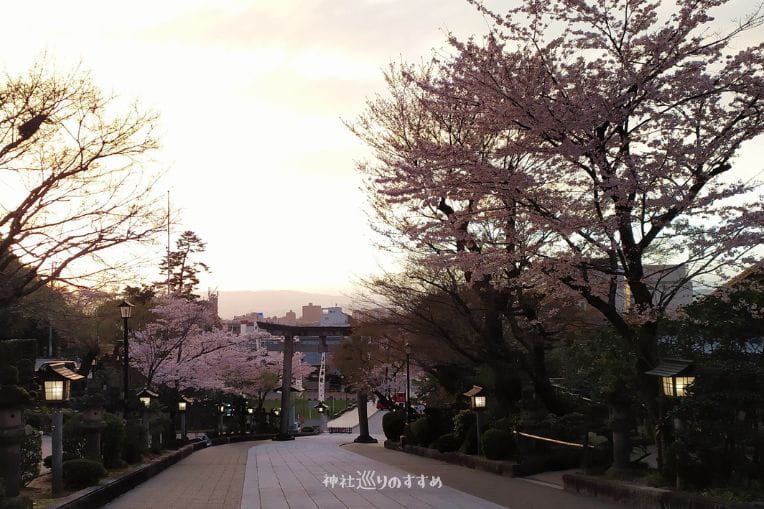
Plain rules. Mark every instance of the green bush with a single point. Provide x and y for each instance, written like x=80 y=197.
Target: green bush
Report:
x=498 y=444
x=20 y=502
x=421 y=432
x=135 y=443
x=73 y=436
x=447 y=443
x=112 y=441
x=81 y=473
x=31 y=455
x=393 y=424
x=463 y=422
x=39 y=419
x=48 y=461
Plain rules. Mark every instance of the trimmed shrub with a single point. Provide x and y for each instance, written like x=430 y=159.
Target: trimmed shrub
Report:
x=498 y=444
x=81 y=473
x=469 y=444
x=308 y=429
x=421 y=432
x=39 y=419
x=48 y=461
x=135 y=443
x=447 y=443
x=73 y=436
x=393 y=424
x=463 y=422
x=113 y=441
x=31 y=455
x=20 y=502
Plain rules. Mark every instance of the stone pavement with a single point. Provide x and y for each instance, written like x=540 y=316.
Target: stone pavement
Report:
x=535 y=492
x=209 y=478
x=298 y=474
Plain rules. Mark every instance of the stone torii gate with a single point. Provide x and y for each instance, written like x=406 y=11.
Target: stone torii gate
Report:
x=289 y=332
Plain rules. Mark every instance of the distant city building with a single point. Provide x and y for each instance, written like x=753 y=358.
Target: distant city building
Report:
x=668 y=285
x=333 y=316
x=311 y=315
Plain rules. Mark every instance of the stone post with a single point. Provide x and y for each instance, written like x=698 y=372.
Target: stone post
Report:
x=13 y=399
x=91 y=424
x=286 y=387
x=11 y=433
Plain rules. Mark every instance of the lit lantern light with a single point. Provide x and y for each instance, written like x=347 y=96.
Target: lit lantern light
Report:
x=57 y=382
x=126 y=309
x=321 y=407
x=277 y=411
x=250 y=411
x=477 y=398
x=145 y=396
x=676 y=377
x=183 y=403
x=221 y=409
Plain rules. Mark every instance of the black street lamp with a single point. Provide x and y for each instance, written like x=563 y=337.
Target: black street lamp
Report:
x=126 y=310
x=477 y=403
x=182 y=407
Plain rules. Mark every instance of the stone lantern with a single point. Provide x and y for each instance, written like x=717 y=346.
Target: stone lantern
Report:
x=13 y=399
x=91 y=423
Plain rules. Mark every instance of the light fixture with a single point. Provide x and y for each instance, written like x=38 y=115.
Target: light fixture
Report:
x=477 y=398
x=57 y=382
x=145 y=396
x=675 y=375
x=126 y=309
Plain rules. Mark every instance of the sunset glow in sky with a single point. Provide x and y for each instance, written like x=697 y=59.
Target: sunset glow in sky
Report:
x=251 y=96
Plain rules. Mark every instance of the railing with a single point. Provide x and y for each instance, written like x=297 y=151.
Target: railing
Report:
x=337 y=429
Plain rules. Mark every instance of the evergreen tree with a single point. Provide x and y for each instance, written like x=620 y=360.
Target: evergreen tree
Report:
x=181 y=268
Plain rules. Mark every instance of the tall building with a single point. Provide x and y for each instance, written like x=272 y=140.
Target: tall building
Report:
x=311 y=315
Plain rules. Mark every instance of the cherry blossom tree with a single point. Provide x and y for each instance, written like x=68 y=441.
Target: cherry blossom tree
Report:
x=432 y=203
x=590 y=144
x=252 y=372
x=168 y=349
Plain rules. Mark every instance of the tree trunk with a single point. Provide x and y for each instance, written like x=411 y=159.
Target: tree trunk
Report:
x=363 y=421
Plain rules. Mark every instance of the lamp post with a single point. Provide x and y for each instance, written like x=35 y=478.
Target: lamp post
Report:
x=182 y=406
x=221 y=410
x=321 y=409
x=477 y=403
x=57 y=388
x=408 y=382
x=126 y=310
x=675 y=377
x=250 y=417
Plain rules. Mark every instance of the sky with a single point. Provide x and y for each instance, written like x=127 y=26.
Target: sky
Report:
x=251 y=97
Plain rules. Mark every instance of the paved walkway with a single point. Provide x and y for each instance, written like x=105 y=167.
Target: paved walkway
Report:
x=298 y=474
x=209 y=478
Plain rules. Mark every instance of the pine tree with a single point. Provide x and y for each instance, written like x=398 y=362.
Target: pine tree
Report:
x=183 y=271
